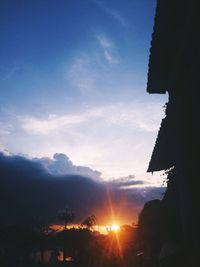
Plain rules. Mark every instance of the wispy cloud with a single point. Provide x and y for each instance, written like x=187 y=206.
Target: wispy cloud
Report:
x=5 y=129
x=81 y=74
x=105 y=42
x=112 y=13
x=132 y=115
x=33 y=125
x=86 y=69
x=116 y=15
x=108 y=49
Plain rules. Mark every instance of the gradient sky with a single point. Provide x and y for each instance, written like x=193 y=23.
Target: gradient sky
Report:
x=73 y=79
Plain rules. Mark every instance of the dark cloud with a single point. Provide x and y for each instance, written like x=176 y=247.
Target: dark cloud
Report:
x=125 y=182
x=61 y=165
x=28 y=190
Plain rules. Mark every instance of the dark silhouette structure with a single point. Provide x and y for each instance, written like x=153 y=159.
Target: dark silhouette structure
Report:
x=174 y=68
x=27 y=246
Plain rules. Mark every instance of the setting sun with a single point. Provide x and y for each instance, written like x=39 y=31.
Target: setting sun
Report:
x=115 y=227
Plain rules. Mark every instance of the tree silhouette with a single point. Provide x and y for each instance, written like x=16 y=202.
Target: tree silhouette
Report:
x=89 y=222
x=67 y=216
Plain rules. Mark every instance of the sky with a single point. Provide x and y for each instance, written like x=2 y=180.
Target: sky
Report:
x=73 y=80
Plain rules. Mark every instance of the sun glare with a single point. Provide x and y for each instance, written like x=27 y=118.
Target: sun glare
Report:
x=115 y=227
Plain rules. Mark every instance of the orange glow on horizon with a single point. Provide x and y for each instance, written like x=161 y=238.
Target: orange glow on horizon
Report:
x=103 y=229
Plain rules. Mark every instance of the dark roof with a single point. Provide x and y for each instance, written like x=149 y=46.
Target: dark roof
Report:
x=171 y=39
x=162 y=156
x=174 y=67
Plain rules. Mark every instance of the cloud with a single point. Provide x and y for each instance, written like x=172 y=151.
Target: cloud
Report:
x=5 y=131
x=44 y=126
x=114 y=14
x=108 y=49
x=132 y=115
x=28 y=190
x=82 y=75
x=61 y=165
x=88 y=68
x=105 y=137
x=105 y=42
x=117 y=16
x=126 y=182
x=5 y=128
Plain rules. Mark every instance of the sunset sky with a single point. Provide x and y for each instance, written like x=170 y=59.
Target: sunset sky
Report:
x=73 y=80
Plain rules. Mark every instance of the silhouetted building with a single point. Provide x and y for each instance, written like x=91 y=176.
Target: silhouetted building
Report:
x=174 y=68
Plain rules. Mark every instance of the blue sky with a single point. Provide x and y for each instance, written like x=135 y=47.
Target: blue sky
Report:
x=73 y=80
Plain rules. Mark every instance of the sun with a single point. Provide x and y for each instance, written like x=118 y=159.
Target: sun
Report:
x=115 y=227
